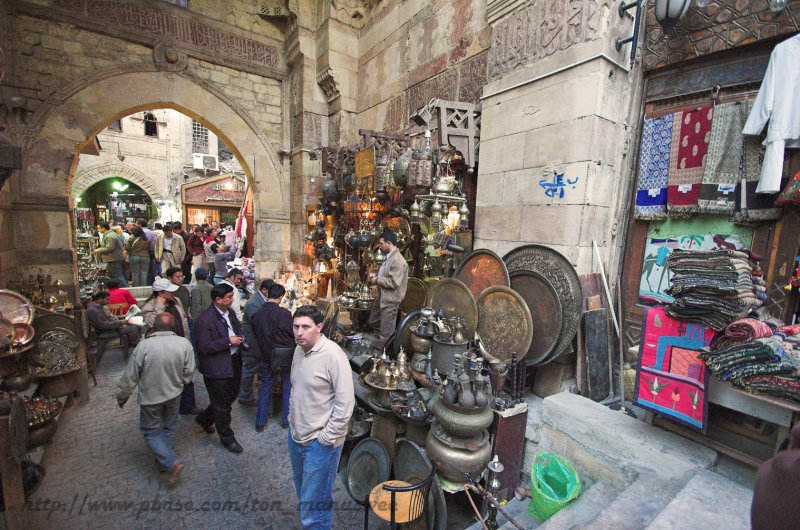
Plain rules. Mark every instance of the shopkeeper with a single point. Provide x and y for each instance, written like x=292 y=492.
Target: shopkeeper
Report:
x=392 y=279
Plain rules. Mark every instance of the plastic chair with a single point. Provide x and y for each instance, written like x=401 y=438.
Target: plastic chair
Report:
x=407 y=503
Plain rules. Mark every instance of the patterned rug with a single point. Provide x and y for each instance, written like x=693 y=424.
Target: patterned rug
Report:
x=691 y=130
x=670 y=380
x=651 y=188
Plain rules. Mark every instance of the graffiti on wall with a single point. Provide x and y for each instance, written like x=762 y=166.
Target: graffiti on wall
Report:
x=555 y=186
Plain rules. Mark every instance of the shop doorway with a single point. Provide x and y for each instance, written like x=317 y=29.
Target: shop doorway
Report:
x=115 y=200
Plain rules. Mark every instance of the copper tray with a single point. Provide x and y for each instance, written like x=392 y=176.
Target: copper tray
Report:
x=482 y=269
x=456 y=300
x=504 y=323
x=416 y=294
x=402 y=337
x=545 y=308
x=15 y=307
x=562 y=276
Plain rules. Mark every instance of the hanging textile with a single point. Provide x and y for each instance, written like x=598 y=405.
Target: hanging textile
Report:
x=752 y=206
x=724 y=163
x=670 y=380
x=778 y=102
x=651 y=188
x=691 y=131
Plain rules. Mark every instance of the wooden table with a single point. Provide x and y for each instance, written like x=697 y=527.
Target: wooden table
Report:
x=785 y=414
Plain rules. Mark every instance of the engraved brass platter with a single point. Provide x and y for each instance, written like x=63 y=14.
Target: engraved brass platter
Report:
x=481 y=269
x=564 y=279
x=416 y=294
x=402 y=337
x=456 y=300
x=545 y=308
x=504 y=323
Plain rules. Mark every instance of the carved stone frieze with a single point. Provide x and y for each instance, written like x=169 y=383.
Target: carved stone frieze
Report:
x=720 y=25
x=540 y=30
x=472 y=76
x=327 y=81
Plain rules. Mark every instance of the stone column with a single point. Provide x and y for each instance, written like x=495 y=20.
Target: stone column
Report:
x=560 y=106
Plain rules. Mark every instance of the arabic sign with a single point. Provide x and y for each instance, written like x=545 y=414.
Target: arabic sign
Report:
x=555 y=187
x=365 y=163
x=226 y=191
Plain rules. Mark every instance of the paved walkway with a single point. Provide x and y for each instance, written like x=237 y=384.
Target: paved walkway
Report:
x=100 y=474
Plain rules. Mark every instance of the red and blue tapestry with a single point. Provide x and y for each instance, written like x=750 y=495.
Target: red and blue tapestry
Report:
x=670 y=380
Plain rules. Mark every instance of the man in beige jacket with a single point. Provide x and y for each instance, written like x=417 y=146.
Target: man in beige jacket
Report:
x=173 y=250
x=392 y=279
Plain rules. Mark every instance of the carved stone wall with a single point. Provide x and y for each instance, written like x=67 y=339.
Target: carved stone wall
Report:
x=720 y=25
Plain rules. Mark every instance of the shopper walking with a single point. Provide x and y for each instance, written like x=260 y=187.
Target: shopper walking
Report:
x=272 y=325
x=138 y=248
x=160 y=366
x=111 y=252
x=218 y=336
x=251 y=359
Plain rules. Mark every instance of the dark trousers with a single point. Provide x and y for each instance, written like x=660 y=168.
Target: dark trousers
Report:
x=188 y=402
x=151 y=271
x=221 y=394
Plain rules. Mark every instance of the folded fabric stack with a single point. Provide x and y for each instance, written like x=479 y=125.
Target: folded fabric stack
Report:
x=769 y=364
x=713 y=287
x=741 y=331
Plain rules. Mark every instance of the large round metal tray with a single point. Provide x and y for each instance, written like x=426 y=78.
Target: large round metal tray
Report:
x=504 y=323
x=482 y=269
x=15 y=307
x=562 y=276
x=411 y=464
x=367 y=467
x=456 y=300
x=545 y=307
x=416 y=294
x=402 y=337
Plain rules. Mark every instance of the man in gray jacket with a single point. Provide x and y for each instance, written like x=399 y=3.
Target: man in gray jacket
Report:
x=107 y=324
x=392 y=279
x=160 y=365
x=111 y=252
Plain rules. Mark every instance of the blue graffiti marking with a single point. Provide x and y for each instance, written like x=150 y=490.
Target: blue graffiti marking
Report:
x=555 y=188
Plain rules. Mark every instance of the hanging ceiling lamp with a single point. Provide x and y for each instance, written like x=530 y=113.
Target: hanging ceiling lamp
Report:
x=669 y=12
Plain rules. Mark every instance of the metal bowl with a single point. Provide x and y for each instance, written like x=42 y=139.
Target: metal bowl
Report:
x=365 y=303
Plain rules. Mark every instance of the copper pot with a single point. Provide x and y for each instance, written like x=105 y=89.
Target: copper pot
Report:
x=453 y=463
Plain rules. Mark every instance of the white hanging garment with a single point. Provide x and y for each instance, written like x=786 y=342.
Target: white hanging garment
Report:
x=778 y=102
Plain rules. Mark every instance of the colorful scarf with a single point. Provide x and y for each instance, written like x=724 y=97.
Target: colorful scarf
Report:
x=651 y=188
x=691 y=131
x=723 y=168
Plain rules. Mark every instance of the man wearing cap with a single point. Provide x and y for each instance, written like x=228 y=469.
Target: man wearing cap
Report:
x=392 y=279
x=160 y=366
x=218 y=336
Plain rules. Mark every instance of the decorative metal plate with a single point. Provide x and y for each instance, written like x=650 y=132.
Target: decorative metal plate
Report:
x=545 y=308
x=416 y=294
x=482 y=269
x=562 y=276
x=368 y=466
x=402 y=336
x=401 y=229
x=15 y=307
x=504 y=323
x=456 y=300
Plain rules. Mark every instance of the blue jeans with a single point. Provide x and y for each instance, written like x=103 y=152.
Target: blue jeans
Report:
x=265 y=394
x=115 y=270
x=158 y=424
x=249 y=368
x=139 y=266
x=314 y=468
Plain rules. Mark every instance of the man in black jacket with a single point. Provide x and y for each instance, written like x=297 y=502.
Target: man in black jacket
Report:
x=272 y=325
x=218 y=336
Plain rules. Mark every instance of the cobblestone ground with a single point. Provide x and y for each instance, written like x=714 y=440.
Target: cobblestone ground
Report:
x=100 y=473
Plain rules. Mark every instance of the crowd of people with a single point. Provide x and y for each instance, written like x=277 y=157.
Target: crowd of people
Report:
x=135 y=254
x=207 y=327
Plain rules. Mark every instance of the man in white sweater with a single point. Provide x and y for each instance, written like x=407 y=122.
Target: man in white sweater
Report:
x=321 y=404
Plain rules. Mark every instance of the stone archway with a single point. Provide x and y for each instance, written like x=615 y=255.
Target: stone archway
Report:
x=84 y=180
x=71 y=118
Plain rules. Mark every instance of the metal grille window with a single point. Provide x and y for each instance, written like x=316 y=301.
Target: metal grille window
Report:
x=199 y=138
x=150 y=125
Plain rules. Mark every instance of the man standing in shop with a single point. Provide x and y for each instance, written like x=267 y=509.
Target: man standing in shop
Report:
x=251 y=359
x=160 y=366
x=218 y=338
x=392 y=279
x=321 y=405
x=194 y=247
x=111 y=252
x=174 y=249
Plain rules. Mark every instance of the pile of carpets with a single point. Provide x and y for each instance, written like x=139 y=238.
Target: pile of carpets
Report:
x=753 y=356
x=714 y=287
